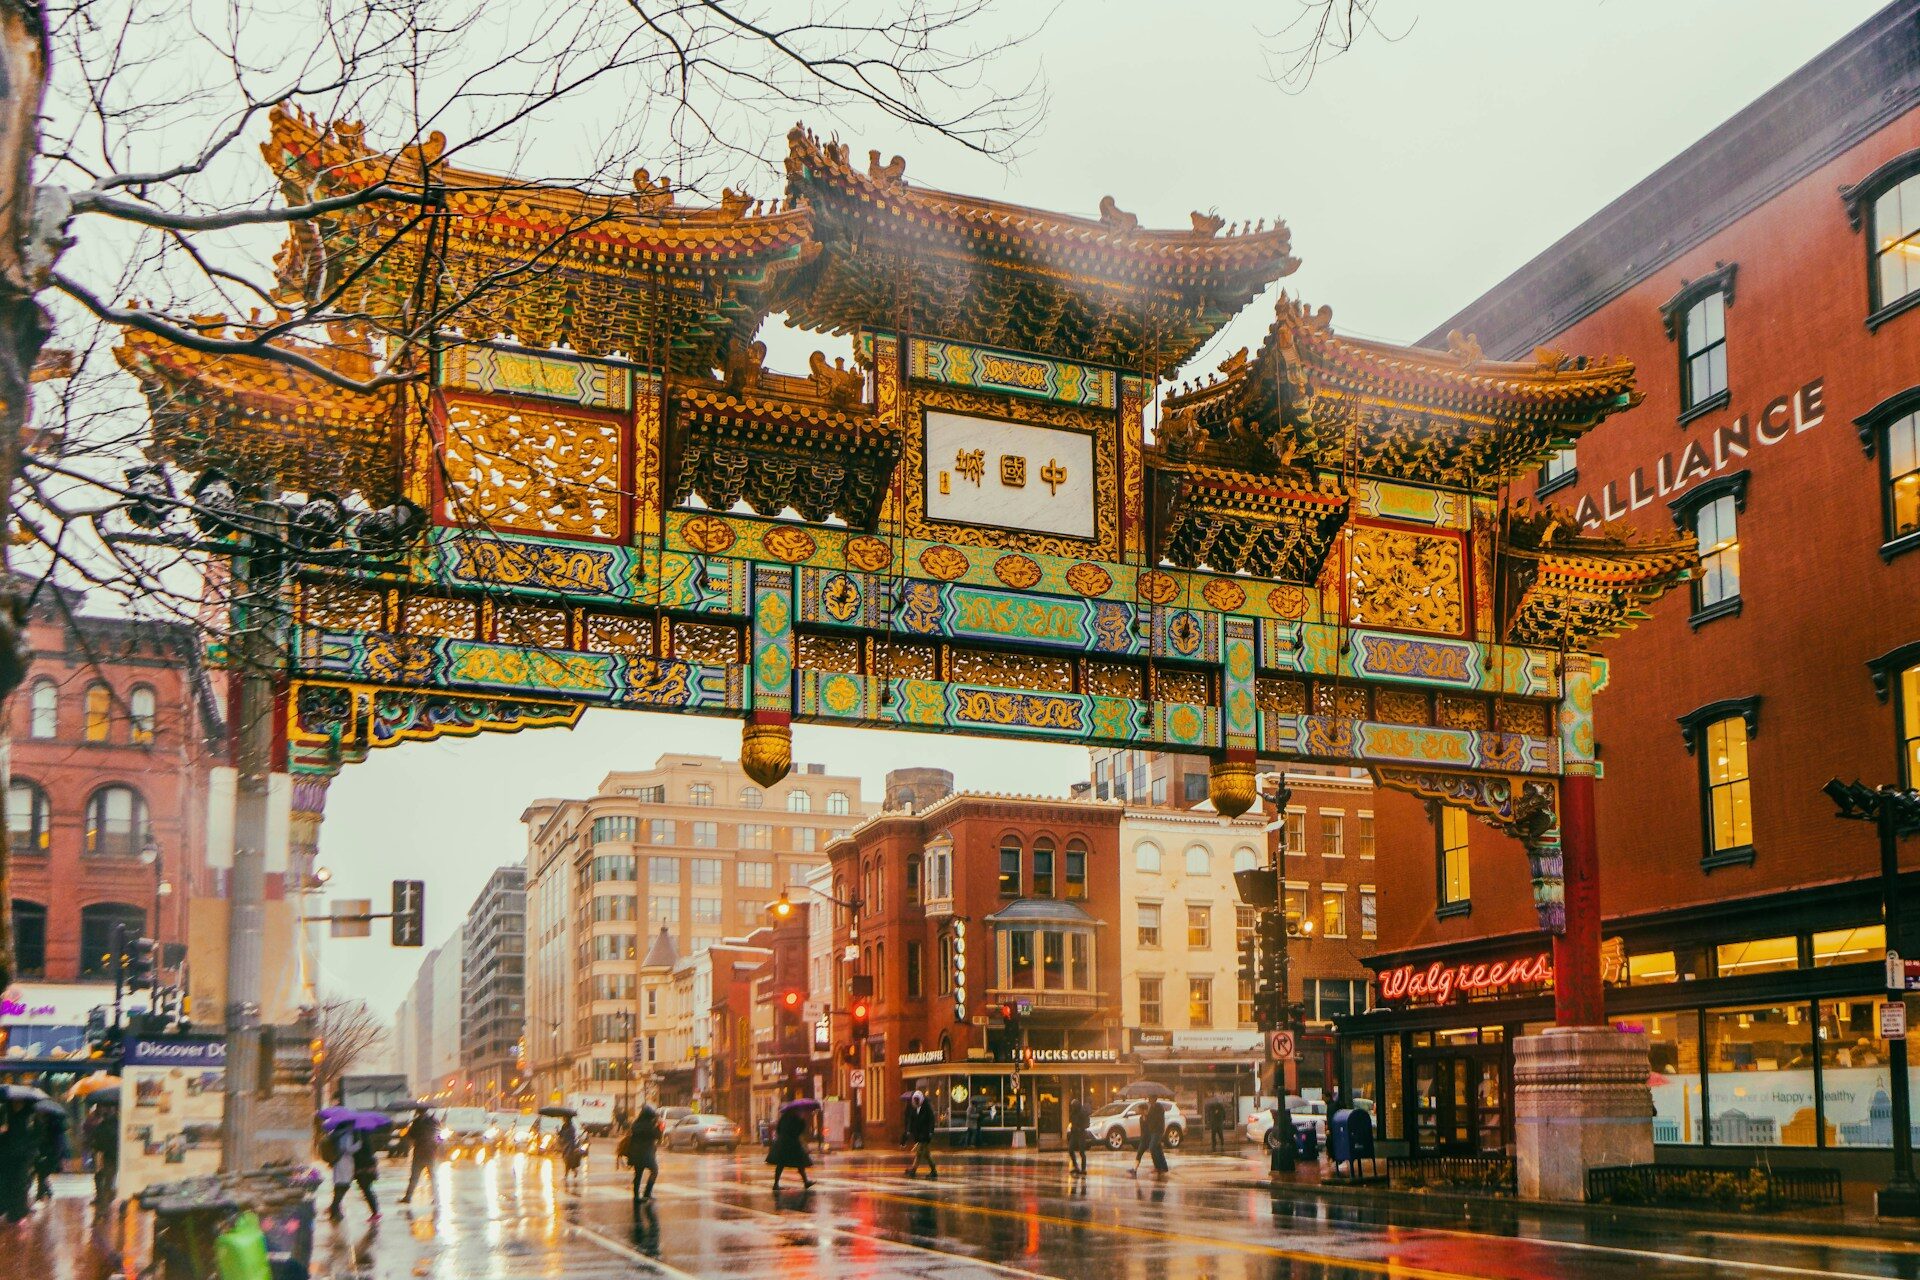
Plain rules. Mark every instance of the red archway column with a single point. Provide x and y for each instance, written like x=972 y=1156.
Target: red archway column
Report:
x=1577 y=997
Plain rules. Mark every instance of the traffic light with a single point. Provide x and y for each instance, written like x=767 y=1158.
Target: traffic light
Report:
x=142 y=964
x=857 y=1020
x=959 y=953
x=791 y=1001
x=1250 y=958
x=409 y=913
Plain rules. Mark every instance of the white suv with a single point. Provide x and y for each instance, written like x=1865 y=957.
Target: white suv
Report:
x=1118 y=1123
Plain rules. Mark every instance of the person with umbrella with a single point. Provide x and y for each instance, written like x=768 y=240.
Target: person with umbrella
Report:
x=423 y=1144
x=19 y=1150
x=1216 y=1125
x=573 y=1148
x=349 y=1153
x=641 y=1149
x=789 y=1149
x=100 y=1134
x=920 y=1124
x=54 y=1148
x=1153 y=1131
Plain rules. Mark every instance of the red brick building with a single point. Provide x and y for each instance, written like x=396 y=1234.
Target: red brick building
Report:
x=1766 y=283
x=972 y=904
x=110 y=742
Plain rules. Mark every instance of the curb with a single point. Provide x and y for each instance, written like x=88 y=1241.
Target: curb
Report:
x=1650 y=1218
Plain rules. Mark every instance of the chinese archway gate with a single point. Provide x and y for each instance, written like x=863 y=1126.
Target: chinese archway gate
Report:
x=957 y=525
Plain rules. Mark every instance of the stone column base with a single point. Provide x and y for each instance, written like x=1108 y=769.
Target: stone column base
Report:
x=1580 y=1100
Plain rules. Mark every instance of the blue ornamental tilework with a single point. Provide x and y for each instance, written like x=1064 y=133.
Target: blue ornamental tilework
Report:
x=1576 y=708
x=531 y=566
x=1240 y=718
x=958 y=364
x=1330 y=738
x=1313 y=649
x=511 y=371
x=772 y=658
x=830 y=696
x=843 y=598
x=479 y=667
x=1191 y=635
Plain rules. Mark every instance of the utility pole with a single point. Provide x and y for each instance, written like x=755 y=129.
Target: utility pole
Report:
x=255 y=655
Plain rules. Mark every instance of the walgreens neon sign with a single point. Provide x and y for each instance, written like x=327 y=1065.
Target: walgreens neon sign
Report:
x=1438 y=983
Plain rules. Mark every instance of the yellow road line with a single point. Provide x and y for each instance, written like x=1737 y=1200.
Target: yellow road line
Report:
x=1366 y=1265
x=1855 y=1244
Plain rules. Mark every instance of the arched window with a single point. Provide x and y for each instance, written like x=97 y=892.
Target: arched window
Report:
x=1043 y=867
x=1010 y=852
x=752 y=798
x=29 y=938
x=99 y=712
x=700 y=794
x=1245 y=859
x=799 y=802
x=1886 y=203
x=1199 y=860
x=96 y=934
x=837 y=802
x=1146 y=857
x=141 y=709
x=116 y=822
x=28 y=816
x=46 y=710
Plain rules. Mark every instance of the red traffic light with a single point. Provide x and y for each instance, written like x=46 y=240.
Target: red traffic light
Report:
x=791 y=999
x=860 y=1011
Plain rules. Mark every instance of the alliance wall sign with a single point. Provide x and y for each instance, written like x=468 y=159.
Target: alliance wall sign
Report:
x=1009 y=475
x=1706 y=455
x=1438 y=983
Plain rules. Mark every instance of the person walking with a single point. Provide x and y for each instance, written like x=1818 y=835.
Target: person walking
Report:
x=1079 y=1135
x=789 y=1149
x=423 y=1145
x=341 y=1147
x=1216 y=1126
x=101 y=1136
x=976 y=1116
x=54 y=1148
x=920 y=1124
x=19 y=1151
x=1153 y=1131
x=642 y=1150
x=573 y=1151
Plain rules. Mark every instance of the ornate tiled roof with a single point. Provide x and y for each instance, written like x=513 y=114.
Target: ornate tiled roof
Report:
x=1563 y=587
x=1103 y=289
x=774 y=441
x=1314 y=399
x=268 y=424
x=1236 y=521
x=594 y=271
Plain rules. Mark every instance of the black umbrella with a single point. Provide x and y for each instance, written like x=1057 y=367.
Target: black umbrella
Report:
x=559 y=1113
x=1146 y=1089
x=22 y=1093
x=47 y=1106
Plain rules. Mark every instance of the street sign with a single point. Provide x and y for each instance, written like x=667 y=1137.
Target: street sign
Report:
x=350 y=918
x=1280 y=1045
x=639 y=1050
x=1023 y=1007
x=1902 y=975
x=857 y=1078
x=409 y=913
x=1893 y=1020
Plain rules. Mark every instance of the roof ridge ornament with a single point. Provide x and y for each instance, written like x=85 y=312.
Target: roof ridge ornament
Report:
x=893 y=174
x=1207 y=225
x=1465 y=348
x=1113 y=217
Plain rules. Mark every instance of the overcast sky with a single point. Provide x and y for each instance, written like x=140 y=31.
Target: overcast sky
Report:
x=1415 y=175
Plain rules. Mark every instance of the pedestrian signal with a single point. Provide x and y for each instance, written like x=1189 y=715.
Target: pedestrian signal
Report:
x=409 y=913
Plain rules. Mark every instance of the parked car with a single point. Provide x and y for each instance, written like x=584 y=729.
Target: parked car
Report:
x=696 y=1132
x=670 y=1116
x=1304 y=1113
x=1118 y=1123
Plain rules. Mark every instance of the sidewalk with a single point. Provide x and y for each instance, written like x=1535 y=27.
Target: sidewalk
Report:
x=1307 y=1183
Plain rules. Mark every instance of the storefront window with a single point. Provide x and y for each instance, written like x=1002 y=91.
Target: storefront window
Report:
x=1850 y=946
x=1019 y=972
x=1053 y=959
x=1673 y=1073
x=1362 y=1069
x=1855 y=1079
x=1081 y=950
x=1761 y=955
x=1760 y=1076
x=1650 y=969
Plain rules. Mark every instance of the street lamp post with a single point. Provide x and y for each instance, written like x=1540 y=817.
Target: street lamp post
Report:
x=1894 y=811
x=782 y=908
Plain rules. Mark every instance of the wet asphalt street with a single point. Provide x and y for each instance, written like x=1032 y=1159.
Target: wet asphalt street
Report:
x=715 y=1216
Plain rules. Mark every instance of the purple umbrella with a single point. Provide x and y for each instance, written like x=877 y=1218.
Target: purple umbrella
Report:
x=799 y=1104
x=334 y=1117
